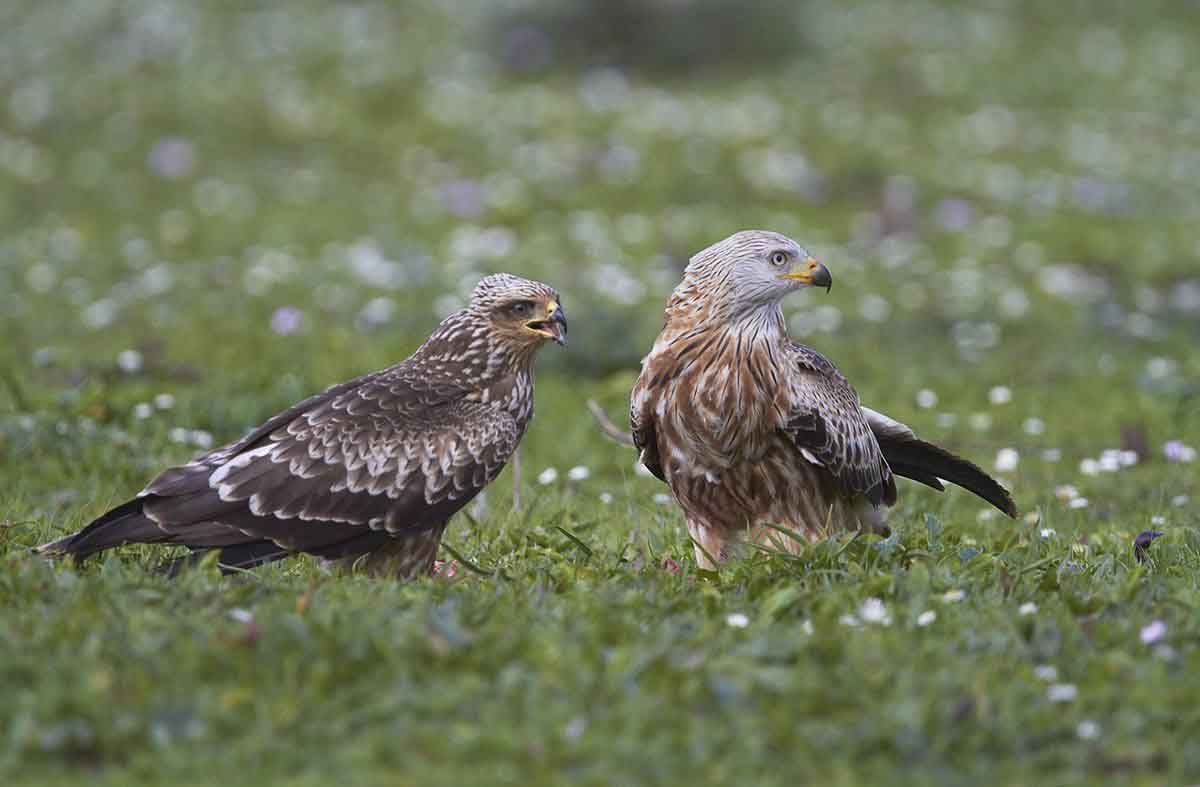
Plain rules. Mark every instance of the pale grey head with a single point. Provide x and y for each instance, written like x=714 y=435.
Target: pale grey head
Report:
x=753 y=269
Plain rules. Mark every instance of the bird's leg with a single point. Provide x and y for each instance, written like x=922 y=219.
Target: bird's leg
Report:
x=711 y=544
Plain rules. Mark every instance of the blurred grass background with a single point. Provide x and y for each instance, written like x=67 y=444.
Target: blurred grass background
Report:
x=209 y=210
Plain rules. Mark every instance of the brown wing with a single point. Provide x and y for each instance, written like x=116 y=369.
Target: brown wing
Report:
x=383 y=453
x=827 y=425
x=641 y=421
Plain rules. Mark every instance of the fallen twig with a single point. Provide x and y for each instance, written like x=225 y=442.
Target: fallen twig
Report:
x=610 y=430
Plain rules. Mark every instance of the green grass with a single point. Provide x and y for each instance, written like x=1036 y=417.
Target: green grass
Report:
x=363 y=164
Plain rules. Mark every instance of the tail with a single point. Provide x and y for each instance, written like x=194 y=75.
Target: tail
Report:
x=913 y=458
x=125 y=524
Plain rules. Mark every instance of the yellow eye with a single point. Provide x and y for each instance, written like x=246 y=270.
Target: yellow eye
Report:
x=779 y=258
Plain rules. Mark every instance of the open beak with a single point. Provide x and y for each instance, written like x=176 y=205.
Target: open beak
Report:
x=553 y=325
x=812 y=273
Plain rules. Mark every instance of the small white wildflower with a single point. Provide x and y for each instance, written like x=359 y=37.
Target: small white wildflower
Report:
x=926 y=617
x=129 y=361
x=737 y=620
x=578 y=473
x=1046 y=672
x=164 y=401
x=986 y=514
x=241 y=615
x=662 y=498
x=547 y=476
x=1006 y=460
x=1047 y=532
x=606 y=498
x=1078 y=502
x=873 y=611
x=849 y=621
x=1087 y=730
x=807 y=627
x=980 y=422
x=142 y=410
x=574 y=728
x=1052 y=455
x=947 y=420
x=1000 y=394
x=926 y=399
x=1089 y=467
x=1062 y=692
x=1028 y=608
x=1127 y=458
x=1179 y=501
x=1176 y=451
x=178 y=435
x=1158 y=520
x=1153 y=632
x=953 y=596
x=1066 y=492
x=200 y=438
x=1034 y=426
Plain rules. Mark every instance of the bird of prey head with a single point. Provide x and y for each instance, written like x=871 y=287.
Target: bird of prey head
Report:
x=521 y=312
x=752 y=269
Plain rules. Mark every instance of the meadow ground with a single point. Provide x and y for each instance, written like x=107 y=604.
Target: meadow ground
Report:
x=208 y=214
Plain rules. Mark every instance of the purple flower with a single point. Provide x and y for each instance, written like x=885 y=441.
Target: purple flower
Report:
x=1153 y=632
x=1177 y=451
x=287 y=320
x=172 y=158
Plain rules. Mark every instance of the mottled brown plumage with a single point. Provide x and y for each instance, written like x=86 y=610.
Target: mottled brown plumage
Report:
x=752 y=431
x=372 y=467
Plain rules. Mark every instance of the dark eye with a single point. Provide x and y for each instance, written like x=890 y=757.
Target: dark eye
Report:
x=779 y=258
x=522 y=308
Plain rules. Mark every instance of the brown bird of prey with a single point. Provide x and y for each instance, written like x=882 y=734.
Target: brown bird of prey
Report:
x=371 y=467
x=753 y=432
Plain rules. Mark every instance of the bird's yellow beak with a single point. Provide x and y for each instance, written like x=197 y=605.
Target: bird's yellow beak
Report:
x=553 y=325
x=812 y=273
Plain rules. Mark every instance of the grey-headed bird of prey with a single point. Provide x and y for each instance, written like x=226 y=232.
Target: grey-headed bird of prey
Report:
x=372 y=467
x=752 y=431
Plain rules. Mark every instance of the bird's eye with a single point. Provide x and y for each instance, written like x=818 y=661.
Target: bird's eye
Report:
x=522 y=307
x=779 y=258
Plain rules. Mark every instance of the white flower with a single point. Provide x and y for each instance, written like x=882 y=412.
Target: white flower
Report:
x=926 y=399
x=737 y=620
x=662 y=498
x=926 y=617
x=200 y=438
x=850 y=621
x=980 y=422
x=547 y=476
x=164 y=401
x=1158 y=520
x=1028 y=608
x=1046 y=672
x=1034 y=426
x=1179 y=500
x=1047 y=532
x=1006 y=460
x=1154 y=632
x=953 y=596
x=1089 y=467
x=1052 y=455
x=142 y=410
x=1062 y=692
x=1000 y=394
x=606 y=498
x=575 y=727
x=1066 y=492
x=1078 y=502
x=578 y=473
x=1087 y=730
x=129 y=361
x=807 y=627
x=873 y=611
x=241 y=615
